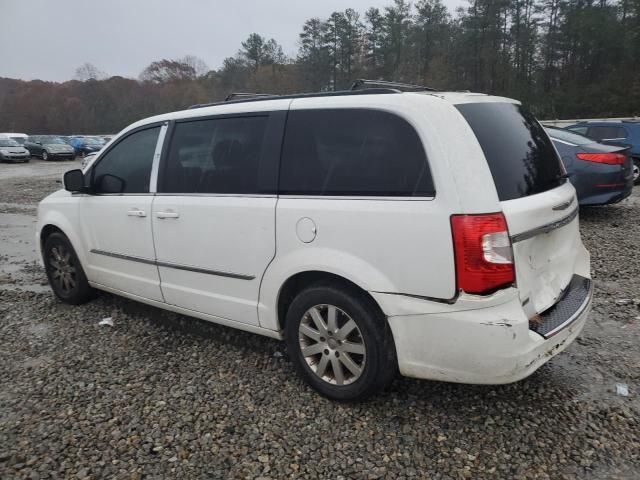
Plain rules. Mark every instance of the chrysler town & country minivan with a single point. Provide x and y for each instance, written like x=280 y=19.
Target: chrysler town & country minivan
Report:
x=377 y=230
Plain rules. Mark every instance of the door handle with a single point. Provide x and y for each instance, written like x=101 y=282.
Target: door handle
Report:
x=136 y=212
x=167 y=214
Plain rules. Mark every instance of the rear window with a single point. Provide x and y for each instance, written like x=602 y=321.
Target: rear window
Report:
x=567 y=136
x=353 y=152
x=520 y=154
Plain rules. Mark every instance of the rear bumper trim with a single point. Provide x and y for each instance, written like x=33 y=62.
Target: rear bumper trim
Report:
x=545 y=228
x=574 y=301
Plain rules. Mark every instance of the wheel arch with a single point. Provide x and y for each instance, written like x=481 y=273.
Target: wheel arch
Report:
x=55 y=222
x=304 y=279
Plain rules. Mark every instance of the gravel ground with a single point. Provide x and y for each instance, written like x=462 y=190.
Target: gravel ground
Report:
x=160 y=395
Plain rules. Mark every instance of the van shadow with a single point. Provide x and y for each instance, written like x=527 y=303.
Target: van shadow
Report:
x=550 y=383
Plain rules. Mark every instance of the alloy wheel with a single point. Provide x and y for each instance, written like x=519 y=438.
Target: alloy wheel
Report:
x=332 y=344
x=63 y=271
x=636 y=170
x=45 y=155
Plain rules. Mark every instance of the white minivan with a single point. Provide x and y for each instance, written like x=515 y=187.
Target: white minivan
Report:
x=374 y=230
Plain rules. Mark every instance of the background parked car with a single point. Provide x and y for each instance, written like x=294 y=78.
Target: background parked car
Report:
x=49 y=147
x=85 y=145
x=625 y=133
x=12 y=151
x=18 y=137
x=601 y=174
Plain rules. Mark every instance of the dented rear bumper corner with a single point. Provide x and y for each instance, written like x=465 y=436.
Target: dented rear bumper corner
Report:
x=492 y=345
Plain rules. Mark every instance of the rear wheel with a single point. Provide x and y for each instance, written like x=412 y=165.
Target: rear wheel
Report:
x=340 y=342
x=636 y=171
x=66 y=276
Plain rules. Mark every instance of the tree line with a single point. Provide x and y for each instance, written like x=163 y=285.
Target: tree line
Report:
x=563 y=58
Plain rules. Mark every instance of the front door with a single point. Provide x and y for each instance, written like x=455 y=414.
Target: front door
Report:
x=116 y=218
x=214 y=214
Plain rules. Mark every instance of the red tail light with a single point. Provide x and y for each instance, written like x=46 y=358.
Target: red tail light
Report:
x=484 y=258
x=607 y=158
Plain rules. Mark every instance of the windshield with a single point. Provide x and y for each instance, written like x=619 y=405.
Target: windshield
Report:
x=19 y=140
x=53 y=141
x=91 y=141
x=566 y=136
x=7 y=142
x=521 y=157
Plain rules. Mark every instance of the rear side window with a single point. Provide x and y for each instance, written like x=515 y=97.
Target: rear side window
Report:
x=607 y=132
x=353 y=152
x=219 y=155
x=520 y=154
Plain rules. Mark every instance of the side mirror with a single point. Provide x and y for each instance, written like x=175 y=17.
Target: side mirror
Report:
x=73 y=180
x=38 y=143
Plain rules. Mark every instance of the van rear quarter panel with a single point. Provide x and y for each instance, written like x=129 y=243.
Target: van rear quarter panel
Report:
x=395 y=245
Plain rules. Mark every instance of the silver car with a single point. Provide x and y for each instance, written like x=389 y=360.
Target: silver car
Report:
x=12 y=151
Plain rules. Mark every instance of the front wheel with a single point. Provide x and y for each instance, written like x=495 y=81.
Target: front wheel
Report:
x=636 y=171
x=340 y=342
x=64 y=271
x=45 y=155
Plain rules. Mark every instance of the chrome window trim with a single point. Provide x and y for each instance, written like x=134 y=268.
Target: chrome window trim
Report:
x=358 y=197
x=545 y=228
x=153 y=178
x=177 y=266
x=113 y=194
x=242 y=195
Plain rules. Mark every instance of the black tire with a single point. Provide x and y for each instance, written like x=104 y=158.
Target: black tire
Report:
x=636 y=171
x=380 y=365
x=45 y=155
x=68 y=281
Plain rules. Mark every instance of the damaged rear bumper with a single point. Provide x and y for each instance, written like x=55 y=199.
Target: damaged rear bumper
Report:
x=495 y=344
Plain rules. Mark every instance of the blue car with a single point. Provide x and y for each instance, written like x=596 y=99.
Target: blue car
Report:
x=625 y=133
x=85 y=145
x=601 y=174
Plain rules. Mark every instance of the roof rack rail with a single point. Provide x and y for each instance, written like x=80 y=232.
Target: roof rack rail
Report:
x=244 y=95
x=363 y=83
x=264 y=96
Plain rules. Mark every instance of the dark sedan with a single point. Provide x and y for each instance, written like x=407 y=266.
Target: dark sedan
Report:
x=601 y=174
x=86 y=145
x=49 y=147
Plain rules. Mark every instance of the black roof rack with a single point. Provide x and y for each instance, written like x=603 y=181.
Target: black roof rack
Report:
x=261 y=97
x=363 y=83
x=243 y=95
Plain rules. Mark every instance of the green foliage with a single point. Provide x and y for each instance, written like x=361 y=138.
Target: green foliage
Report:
x=565 y=58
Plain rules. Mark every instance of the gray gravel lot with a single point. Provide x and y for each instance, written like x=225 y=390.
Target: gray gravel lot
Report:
x=160 y=395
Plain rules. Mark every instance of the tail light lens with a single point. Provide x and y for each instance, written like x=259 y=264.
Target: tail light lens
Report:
x=483 y=253
x=607 y=158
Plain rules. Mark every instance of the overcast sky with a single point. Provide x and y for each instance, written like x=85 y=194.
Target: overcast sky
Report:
x=49 y=39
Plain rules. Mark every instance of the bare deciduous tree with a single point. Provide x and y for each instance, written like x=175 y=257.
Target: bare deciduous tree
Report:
x=88 y=71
